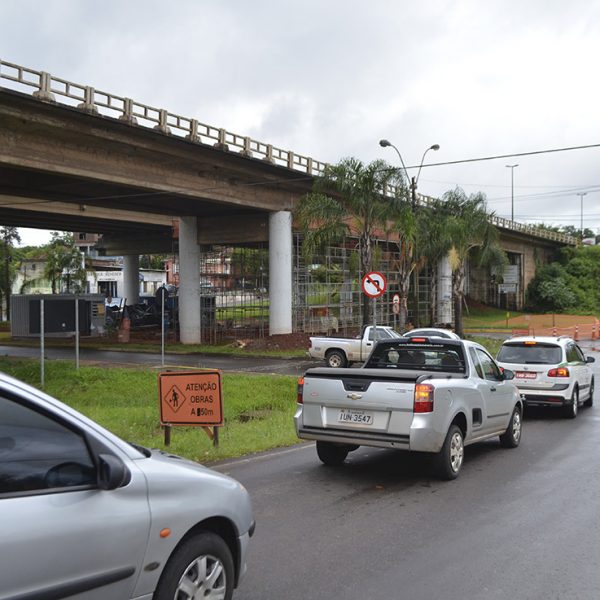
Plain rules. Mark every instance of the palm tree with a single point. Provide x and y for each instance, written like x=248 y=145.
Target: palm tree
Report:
x=434 y=244
x=348 y=200
x=406 y=225
x=469 y=228
x=64 y=260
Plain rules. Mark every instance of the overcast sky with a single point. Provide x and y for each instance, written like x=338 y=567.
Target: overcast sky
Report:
x=330 y=78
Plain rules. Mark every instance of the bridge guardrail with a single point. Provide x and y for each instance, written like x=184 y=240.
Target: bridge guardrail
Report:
x=47 y=88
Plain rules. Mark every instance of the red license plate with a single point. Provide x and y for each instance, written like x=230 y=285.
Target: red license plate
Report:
x=525 y=375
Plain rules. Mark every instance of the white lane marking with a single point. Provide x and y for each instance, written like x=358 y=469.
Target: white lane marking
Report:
x=273 y=454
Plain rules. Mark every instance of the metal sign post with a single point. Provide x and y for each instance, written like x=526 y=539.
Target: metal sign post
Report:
x=76 y=332
x=162 y=330
x=42 y=342
x=374 y=285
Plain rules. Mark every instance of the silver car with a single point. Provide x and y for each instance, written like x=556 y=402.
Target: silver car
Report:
x=85 y=515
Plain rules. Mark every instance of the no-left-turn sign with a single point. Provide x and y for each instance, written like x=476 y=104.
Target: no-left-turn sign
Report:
x=374 y=284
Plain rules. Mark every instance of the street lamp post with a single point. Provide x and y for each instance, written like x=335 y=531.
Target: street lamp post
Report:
x=581 y=195
x=413 y=192
x=512 y=191
x=413 y=181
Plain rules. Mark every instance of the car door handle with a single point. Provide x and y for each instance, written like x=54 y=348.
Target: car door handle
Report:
x=492 y=389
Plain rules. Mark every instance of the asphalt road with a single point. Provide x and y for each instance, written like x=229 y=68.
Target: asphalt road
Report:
x=517 y=524
x=204 y=361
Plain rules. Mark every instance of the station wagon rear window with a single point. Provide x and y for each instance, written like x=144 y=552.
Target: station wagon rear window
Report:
x=417 y=356
x=530 y=353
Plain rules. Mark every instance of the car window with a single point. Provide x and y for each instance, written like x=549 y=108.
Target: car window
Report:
x=38 y=453
x=382 y=334
x=425 y=357
x=580 y=353
x=532 y=353
x=476 y=362
x=489 y=367
x=572 y=354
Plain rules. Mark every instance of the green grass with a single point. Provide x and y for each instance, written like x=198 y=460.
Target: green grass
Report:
x=258 y=408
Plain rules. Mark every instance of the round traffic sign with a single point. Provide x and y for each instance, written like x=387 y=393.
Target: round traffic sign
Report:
x=396 y=298
x=374 y=284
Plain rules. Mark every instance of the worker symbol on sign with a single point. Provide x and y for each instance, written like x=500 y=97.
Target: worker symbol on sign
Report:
x=174 y=398
x=374 y=284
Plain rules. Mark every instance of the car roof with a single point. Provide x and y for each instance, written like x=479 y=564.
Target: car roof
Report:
x=543 y=339
x=443 y=332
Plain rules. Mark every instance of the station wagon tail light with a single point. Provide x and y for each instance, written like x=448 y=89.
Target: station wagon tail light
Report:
x=423 y=398
x=299 y=390
x=560 y=372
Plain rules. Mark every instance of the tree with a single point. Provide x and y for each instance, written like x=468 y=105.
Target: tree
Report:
x=9 y=236
x=64 y=262
x=347 y=200
x=406 y=225
x=469 y=228
x=434 y=244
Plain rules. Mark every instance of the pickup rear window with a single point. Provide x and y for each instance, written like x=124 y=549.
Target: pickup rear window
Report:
x=421 y=357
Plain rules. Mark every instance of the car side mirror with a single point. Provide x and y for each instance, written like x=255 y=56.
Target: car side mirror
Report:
x=112 y=472
x=590 y=359
x=508 y=374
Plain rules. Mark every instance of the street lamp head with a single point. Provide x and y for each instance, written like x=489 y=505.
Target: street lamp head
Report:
x=435 y=147
x=384 y=143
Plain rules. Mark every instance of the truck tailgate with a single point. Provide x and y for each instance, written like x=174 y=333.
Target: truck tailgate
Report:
x=359 y=400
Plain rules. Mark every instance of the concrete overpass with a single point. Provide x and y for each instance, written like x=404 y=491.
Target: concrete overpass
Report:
x=75 y=158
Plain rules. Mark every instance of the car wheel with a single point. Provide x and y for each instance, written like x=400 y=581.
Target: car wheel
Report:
x=512 y=436
x=572 y=408
x=336 y=359
x=590 y=400
x=449 y=460
x=201 y=567
x=332 y=454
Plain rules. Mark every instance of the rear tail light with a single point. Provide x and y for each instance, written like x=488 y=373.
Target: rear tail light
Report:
x=423 y=398
x=299 y=390
x=419 y=340
x=560 y=372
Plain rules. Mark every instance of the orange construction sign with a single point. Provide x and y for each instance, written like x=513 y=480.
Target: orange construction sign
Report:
x=190 y=398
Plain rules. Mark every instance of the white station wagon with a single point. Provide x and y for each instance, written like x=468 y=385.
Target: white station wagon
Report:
x=550 y=371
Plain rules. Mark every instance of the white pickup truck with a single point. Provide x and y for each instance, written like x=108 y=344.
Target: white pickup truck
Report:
x=340 y=352
x=421 y=394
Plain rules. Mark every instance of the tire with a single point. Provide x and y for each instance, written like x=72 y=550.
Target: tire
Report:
x=449 y=460
x=512 y=436
x=201 y=566
x=331 y=454
x=590 y=401
x=336 y=359
x=570 y=410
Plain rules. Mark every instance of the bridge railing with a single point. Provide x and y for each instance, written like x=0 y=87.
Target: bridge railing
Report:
x=48 y=88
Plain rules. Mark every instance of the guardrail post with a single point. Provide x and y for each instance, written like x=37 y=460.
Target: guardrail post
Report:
x=290 y=160
x=127 y=115
x=222 y=143
x=269 y=154
x=45 y=91
x=162 y=122
x=246 y=151
x=88 y=101
x=193 y=134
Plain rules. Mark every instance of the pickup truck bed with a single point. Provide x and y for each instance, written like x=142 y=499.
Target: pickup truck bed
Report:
x=424 y=408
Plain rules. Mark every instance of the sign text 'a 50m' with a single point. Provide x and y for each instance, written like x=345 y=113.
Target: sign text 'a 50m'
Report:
x=190 y=398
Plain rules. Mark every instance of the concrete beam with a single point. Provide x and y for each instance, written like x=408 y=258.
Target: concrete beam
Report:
x=189 y=282
x=131 y=278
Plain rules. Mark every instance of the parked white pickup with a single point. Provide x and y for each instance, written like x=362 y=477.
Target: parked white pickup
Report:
x=420 y=394
x=340 y=352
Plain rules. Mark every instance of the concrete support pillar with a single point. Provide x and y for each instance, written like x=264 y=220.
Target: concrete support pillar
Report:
x=280 y=272
x=444 y=292
x=131 y=278
x=189 y=282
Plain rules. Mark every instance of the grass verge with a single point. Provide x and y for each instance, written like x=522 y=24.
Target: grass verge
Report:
x=258 y=408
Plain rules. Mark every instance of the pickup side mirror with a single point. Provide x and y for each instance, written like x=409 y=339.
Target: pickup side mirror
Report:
x=508 y=374
x=590 y=359
x=112 y=472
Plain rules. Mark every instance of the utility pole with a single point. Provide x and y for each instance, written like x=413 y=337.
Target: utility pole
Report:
x=512 y=191
x=581 y=195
